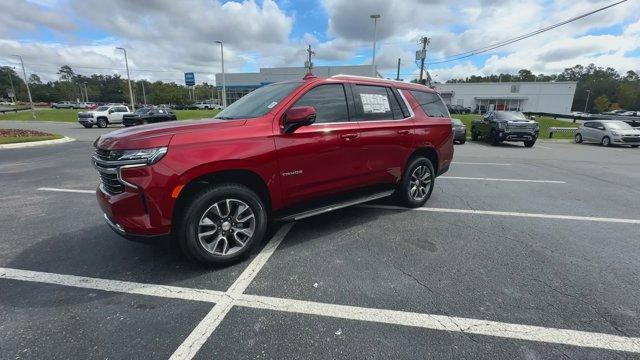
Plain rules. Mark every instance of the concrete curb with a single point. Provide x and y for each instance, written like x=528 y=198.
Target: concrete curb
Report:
x=36 y=143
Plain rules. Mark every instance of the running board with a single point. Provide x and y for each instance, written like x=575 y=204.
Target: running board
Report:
x=336 y=206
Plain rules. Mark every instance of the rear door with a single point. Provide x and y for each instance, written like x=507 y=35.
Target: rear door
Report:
x=386 y=131
x=323 y=158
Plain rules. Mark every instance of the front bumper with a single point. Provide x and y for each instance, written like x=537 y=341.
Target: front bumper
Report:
x=87 y=121
x=517 y=136
x=626 y=140
x=459 y=135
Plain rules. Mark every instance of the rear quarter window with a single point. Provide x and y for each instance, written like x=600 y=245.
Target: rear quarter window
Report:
x=430 y=103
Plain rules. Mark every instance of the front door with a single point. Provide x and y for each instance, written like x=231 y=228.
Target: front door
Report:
x=323 y=158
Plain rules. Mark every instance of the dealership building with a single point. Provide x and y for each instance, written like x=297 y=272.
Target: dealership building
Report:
x=549 y=97
x=239 y=84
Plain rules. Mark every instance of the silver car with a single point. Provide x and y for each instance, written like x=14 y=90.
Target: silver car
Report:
x=608 y=132
x=459 y=131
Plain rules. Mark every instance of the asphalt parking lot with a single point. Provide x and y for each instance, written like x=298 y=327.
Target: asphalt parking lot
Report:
x=520 y=253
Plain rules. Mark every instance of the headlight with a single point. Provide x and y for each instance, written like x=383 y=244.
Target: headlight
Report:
x=148 y=156
x=536 y=127
x=502 y=126
x=615 y=133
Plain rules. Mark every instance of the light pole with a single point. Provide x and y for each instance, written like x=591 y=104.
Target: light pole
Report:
x=375 y=18
x=144 y=94
x=13 y=91
x=126 y=63
x=86 y=94
x=224 y=85
x=586 y=104
x=26 y=82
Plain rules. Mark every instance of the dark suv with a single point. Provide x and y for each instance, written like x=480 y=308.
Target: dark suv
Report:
x=498 y=126
x=285 y=151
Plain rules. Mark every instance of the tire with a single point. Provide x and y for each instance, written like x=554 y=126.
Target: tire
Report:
x=88 y=126
x=606 y=141
x=529 y=143
x=474 y=135
x=102 y=123
x=463 y=141
x=578 y=139
x=634 y=146
x=200 y=216
x=404 y=192
x=493 y=139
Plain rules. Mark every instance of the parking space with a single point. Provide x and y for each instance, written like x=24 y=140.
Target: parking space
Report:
x=546 y=268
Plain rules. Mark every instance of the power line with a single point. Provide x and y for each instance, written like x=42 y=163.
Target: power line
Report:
x=484 y=49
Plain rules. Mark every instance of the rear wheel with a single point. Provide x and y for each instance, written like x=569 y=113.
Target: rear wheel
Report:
x=102 y=123
x=417 y=183
x=221 y=224
x=606 y=141
x=578 y=139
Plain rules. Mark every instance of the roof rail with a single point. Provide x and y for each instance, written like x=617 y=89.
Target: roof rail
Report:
x=368 y=78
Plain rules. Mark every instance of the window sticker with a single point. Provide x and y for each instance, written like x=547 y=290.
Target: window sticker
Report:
x=270 y=106
x=375 y=103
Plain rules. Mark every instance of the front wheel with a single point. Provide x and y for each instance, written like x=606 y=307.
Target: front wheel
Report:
x=102 y=123
x=529 y=143
x=221 y=224
x=474 y=135
x=578 y=139
x=493 y=138
x=416 y=184
x=88 y=126
x=606 y=141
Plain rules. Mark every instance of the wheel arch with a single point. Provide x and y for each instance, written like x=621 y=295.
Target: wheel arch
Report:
x=428 y=152
x=244 y=177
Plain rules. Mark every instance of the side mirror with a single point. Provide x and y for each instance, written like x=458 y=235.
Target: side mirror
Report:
x=297 y=117
x=110 y=111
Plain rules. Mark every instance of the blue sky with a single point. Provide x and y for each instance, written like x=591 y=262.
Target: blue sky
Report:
x=171 y=37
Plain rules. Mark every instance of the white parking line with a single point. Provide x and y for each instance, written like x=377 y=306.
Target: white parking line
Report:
x=545 y=147
x=225 y=301
x=67 y=190
x=190 y=346
x=508 y=213
x=497 y=179
x=479 y=163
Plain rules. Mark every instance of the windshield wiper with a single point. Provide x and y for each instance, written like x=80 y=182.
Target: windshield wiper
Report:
x=225 y=117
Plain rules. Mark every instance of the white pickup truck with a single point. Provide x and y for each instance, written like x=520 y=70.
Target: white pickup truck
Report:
x=103 y=116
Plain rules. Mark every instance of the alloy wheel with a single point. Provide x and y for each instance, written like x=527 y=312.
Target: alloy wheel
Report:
x=226 y=227
x=419 y=183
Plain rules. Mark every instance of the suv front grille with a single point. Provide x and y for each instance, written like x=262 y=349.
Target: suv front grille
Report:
x=108 y=173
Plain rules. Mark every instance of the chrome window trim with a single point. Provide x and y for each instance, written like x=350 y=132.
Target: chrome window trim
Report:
x=411 y=113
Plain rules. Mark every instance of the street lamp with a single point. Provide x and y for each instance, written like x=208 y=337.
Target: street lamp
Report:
x=375 y=18
x=86 y=94
x=224 y=85
x=586 y=104
x=26 y=82
x=126 y=63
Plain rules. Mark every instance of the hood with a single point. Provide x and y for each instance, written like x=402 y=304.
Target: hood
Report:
x=627 y=132
x=159 y=134
x=522 y=121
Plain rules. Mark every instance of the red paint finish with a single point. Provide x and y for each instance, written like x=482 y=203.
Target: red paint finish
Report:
x=314 y=161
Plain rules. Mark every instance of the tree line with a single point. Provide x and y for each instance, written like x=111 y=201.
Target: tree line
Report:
x=100 y=88
x=605 y=87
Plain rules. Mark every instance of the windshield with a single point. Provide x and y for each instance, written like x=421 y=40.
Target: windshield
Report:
x=618 y=125
x=511 y=115
x=102 y=108
x=457 y=121
x=258 y=102
x=142 y=111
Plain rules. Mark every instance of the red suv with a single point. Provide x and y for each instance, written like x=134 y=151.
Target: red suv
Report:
x=285 y=151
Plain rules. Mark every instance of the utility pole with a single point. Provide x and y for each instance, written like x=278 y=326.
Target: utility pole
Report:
x=423 y=54
x=309 y=64
x=375 y=18
x=224 y=85
x=144 y=94
x=26 y=82
x=126 y=62
x=586 y=104
x=398 y=73
x=86 y=94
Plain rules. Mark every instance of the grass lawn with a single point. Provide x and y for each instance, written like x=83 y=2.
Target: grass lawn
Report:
x=11 y=136
x=545 y=124
x=69 y=115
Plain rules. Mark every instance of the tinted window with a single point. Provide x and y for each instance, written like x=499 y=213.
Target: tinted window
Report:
x=403 y=105
x=588 y=124
x=431 y=104
x=618 y=125
x=372 y=103
x=510 y=115
x=329 y=101
x=395 y=105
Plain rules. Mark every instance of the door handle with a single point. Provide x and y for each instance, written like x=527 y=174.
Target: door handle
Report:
x=404 y=132
x=349 y=136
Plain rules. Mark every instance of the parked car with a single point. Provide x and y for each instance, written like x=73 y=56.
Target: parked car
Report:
x=580 y=114
x=208 y=104
x=148 y=116
x=66 y=105
x=7 y=103
x=459 y=131
x=459 y=109
x=285 y=151
x=103 y=116
x=498 y=126
x=629 y=113
x=608 y=132
x=614 y=112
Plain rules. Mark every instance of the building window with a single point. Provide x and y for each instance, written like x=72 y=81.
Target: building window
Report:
x=515 y=88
